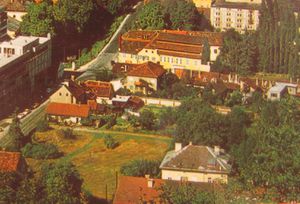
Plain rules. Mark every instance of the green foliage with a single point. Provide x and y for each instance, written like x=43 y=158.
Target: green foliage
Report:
x=16 y=135
x=206 y=52
x=62 y=183
x=67 y=133
x=42 y=126
x=182 y=15
x=167 y=117
x=87 y=121
x=111 y=121
x=185 y=193
x=199 y=123
x=39 y=20
x=110 y=142
x=141 y=168
x=9 y=183
x=123 y=92
x=72 y=15
x=40 y=151
x=151 y=17
x=269 y=157
x=147 y=119
x=235 y=98
x=116 y=6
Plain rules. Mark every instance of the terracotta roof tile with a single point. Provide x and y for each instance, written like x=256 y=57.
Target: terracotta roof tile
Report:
x=63 y=109
x=100 y=88
x=148 y=69
x=9 y=161
x=133 y=190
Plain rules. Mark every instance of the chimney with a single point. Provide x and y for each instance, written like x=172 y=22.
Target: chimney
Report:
x=150 y=183
x=217 y=150
x=178 y=147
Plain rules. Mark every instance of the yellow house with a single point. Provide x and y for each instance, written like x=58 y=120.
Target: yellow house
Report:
x=202 y=3
x=196 y=164
x=174 y=50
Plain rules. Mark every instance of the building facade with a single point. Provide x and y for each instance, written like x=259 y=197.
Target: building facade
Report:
x=241 y=15
x=174 y=50
x=202 y=3
x=22 y=62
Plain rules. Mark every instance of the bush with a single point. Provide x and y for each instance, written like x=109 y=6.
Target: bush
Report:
x=68 y=133
x=147 y=119
x=41 y=151
x=111 y=121
x=110 y=142
x=141 y=168
x=42 y=126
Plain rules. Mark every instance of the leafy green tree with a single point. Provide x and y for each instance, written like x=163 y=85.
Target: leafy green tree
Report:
x=67 y=133
x=167 y=117
x=110 y=142
x=39 y=19
x=235 y=98
x=62 y=183
x=16 y=135
x=269 y=158
x=141 y=168
x=41 y=151
x=42 y=126
x=147 y=119
x=206 y=52
x=9 y=184
x=182 y=15
x=151 y=17
x=185 y=193
x=72 y=15
x=198 y=122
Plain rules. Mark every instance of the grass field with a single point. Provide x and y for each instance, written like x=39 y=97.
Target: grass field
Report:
x=98 y=165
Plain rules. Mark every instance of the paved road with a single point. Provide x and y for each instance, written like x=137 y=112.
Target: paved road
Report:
x=109 y=52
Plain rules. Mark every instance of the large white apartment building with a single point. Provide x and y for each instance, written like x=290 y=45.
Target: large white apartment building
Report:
x=241 y=15
x=23 y=63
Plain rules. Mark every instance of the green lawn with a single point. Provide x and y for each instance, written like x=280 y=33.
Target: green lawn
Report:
x=98 y=165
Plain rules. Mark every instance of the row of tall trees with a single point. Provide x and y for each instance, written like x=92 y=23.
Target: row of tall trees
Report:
x=273 y=48
x=171 y=14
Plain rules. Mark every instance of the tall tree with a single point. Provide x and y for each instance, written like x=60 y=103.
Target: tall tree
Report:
x=206 y=52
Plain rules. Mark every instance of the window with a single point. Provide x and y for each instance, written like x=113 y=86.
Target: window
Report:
x=67 y=94
x=184 y=178
x=59 y=94
x=146 y=51
x=209 y=180
x=187 y=61
x=215 y=51
x=169 y=178
x=180 y=61
x=273 y=95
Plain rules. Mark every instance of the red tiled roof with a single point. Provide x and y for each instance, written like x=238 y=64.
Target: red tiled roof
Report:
x=63 y=109
x=148 y=69
x=173 y=43
x=9 y=161
x=100 y=88
x=132 y=190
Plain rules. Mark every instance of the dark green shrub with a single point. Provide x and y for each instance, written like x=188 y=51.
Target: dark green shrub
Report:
x=67 y=133
x=41 y=151
x=42 y=126
x=141 y=168
x=110 y=142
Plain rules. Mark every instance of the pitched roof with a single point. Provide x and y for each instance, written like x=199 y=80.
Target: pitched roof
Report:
x=9 y=161
x=16 y=5
x=148 y=69
x=172 y=43
x=135 y=189
x=76 y=90
x=195 y=158
x=73 y=110
x=100 y=88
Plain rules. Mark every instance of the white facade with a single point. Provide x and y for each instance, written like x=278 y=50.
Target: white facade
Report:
x=241 y=19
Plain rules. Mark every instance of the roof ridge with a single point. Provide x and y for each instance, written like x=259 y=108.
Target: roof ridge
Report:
x=213 y=154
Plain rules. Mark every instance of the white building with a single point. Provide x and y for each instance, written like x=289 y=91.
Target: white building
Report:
x=280 y=89
x=241 y=15
x=195 y=163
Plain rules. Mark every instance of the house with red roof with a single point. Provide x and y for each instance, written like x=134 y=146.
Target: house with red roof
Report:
x=144 y=77
x=100 y=89
x=12 y=162
x=67 y=113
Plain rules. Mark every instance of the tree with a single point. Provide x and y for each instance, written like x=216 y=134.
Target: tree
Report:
x=147 y=119
x=167 y=117
x=185 y=193
x=62 y=183
x=269 y=157
x=39 y=19
x=141 y=168
x=235 y=98
x=72 y=15
x=110 y=142
x=199 y=123
x=16 y=135
x=206 y=52
x=182 y=15
x=42 y=126
x=116 y=6
x=9 y=184
x=151 y=17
